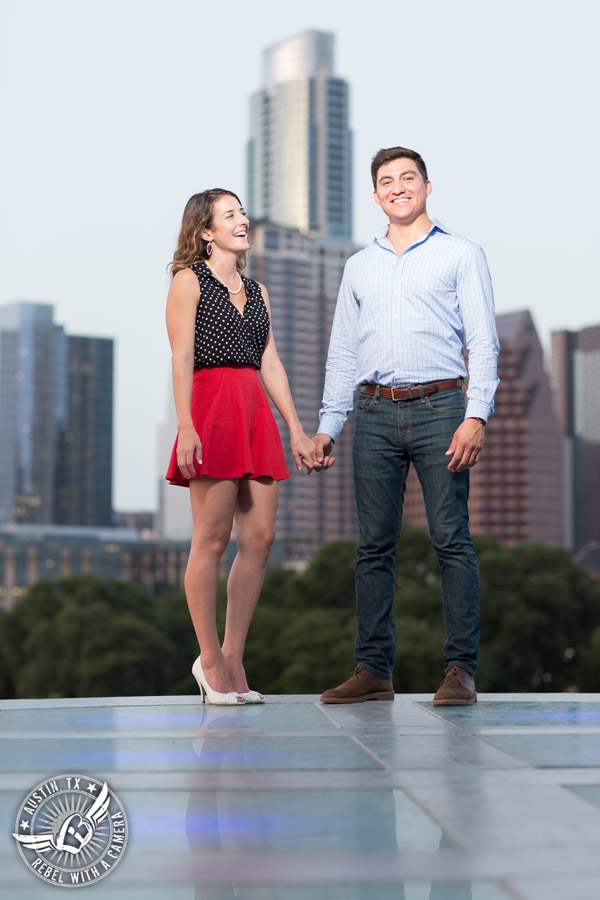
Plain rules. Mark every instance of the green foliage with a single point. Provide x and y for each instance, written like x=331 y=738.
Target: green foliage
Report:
x=417 y=664
x=305 y=649
x=589 y=663
x=328 y=581
x=86 y=636
x=90 y=636
x=538 y=611
x=173 y=621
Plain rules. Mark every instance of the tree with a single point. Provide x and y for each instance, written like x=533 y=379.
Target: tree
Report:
x=91 y=636
x=539 y=609
x=86 y=636
x=328 y=581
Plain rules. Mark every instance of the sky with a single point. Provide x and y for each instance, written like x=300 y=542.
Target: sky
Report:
x=113 y=113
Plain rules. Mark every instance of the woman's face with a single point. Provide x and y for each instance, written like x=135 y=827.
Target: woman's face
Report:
x=230 y=224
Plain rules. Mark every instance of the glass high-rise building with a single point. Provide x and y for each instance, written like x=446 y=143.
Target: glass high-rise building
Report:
x=576 y=383
x=300 y=206
x=30 y=360
x=300 y=147
x=83 y=481
x=56 y=421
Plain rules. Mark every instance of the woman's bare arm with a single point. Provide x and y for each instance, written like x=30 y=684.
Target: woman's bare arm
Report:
x=182 y=304
x=276 y=382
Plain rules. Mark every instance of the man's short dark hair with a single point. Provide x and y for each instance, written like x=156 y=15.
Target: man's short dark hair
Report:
x=385 y=156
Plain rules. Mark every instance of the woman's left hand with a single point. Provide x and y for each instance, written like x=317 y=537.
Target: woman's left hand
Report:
x=303 y=451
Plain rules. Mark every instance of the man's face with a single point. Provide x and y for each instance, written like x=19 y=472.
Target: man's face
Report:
x=401 y=192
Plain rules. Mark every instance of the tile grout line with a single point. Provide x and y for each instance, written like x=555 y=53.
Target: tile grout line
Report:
x=362 y=746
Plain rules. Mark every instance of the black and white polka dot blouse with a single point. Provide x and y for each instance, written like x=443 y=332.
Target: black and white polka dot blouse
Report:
x=225 y=337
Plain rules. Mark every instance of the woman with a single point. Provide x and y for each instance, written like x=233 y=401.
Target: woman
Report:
x=228 y=449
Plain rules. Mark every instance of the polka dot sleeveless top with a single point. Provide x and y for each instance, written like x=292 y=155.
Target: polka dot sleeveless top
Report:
x=225 y=337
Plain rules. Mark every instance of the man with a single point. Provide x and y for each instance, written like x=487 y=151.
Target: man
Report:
x=408 y=306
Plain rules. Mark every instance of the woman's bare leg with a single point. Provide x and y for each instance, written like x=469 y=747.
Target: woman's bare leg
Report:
x=213 y=505
x=255 y=524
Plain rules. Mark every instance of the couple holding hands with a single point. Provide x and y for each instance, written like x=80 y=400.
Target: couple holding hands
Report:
x=409 y=305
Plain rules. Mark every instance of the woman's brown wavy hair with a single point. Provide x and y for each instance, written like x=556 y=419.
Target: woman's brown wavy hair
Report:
x=197 y=216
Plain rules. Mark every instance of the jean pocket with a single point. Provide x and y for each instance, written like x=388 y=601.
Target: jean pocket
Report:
x=364 y=403
x=447 y=403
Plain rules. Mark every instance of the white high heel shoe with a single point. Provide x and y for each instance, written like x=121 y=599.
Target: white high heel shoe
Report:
x=253 y=697
x=230 y=699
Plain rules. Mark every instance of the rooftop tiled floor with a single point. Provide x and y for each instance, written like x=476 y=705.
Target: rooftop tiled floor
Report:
x=299 y=801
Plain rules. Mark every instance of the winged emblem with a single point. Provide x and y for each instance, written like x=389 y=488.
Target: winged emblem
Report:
x=74 y=832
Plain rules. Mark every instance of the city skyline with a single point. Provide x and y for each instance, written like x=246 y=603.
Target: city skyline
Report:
x=56 y=418
x=102 y=158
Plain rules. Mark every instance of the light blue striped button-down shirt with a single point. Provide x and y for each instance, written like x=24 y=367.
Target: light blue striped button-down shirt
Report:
x=407 y=319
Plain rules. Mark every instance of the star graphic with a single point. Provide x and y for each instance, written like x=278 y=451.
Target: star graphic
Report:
x=24 y=824
x=92 y=787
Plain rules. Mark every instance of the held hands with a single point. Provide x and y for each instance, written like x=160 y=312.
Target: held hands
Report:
x=466 y=445
x=323 y=447
x=188 y=444
x=303 y=451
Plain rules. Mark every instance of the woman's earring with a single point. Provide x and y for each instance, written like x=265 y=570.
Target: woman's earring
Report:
x=209 y=248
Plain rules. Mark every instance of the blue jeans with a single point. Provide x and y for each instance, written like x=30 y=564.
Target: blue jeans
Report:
x=388 y=436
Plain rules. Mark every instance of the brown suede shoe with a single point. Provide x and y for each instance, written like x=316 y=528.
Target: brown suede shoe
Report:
x=361 y=685
x=457 y=689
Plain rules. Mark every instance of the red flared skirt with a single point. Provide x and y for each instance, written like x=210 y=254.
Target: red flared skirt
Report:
x=238 y=433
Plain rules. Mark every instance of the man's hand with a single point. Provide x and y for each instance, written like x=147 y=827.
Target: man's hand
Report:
x=323 y=445
x=466 y=445
x=303 y=451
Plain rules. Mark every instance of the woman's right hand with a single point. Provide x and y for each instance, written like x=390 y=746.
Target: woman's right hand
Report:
x=188 y=444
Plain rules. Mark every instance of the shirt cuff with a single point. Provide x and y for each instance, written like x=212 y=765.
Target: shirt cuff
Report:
x=330 y=424
x=476 y=409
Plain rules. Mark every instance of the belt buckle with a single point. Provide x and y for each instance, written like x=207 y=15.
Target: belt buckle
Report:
x=396 y=399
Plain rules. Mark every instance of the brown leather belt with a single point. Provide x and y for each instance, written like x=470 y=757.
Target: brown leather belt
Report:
x=414 y=391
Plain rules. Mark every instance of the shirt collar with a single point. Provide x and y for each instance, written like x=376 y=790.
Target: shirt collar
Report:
x=381 y=237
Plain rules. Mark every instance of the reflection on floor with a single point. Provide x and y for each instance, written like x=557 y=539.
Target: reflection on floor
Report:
x=297 y=801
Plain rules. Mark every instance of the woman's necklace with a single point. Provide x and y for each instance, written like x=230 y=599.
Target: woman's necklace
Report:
x=210 y=268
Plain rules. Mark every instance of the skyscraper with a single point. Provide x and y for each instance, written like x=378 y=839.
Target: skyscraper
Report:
x=56 y=413
x=515 y=487
x=300 y=152
x=576 y=384
x=302 y=275
x=32 y=399
x=85 y=437
x=300 y=205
